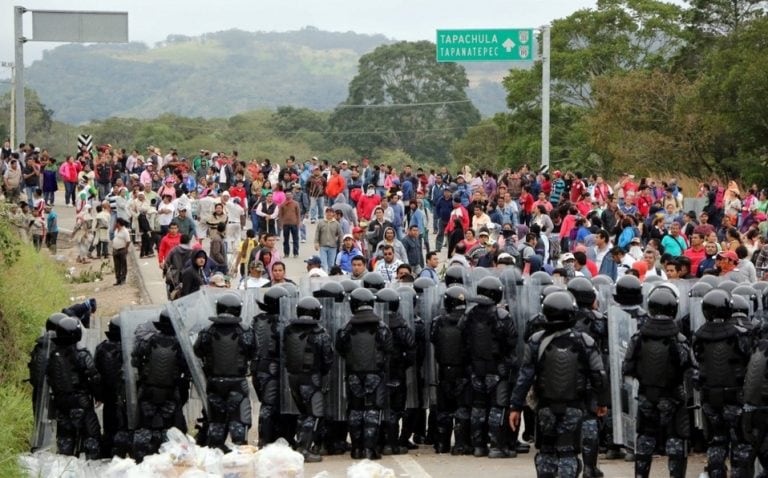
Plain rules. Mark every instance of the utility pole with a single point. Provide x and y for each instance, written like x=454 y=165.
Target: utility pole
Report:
x=18 y=78
x=545 y=59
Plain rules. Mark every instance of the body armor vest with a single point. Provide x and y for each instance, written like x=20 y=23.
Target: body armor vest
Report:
x=655 y=367
x=265 y=332
x=559 y=368
x=716 y=349
x=109 y=363
x=363 y=351
x=227 y=358
x=481 y=333
x=161 y=368
x=62 y=371
x=299 y=350
x=449 y=343
x=756 y=378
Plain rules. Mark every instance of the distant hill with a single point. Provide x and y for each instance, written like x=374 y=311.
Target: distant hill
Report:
x=218 y=75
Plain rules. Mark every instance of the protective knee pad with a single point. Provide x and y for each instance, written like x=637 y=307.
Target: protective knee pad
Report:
x=92 y=448
x=371 y=422
x=477 y=426
x=142 y=443
x=568 y=466
x=238 y=431
x=121 y=443
x=546 y=465
x=217 y=434
x=645 y=444
x=496 y=426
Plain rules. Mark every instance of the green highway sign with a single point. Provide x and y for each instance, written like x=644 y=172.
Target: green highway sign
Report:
x=514 y=44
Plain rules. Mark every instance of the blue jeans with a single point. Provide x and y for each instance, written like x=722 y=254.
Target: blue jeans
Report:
x=316 y=208
x=48 y=196
x=303 y=231
x=69 y=192
x=327 y=257
x=288 y=231
x=255 y=223
x=30 y=191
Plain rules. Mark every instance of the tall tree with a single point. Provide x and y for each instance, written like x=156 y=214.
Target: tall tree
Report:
x=402 y=99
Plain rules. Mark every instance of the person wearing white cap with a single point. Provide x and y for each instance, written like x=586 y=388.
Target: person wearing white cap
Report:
x=81 y=234
x=347 y=252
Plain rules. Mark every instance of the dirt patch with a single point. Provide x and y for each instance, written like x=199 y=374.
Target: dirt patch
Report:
x=96 y=279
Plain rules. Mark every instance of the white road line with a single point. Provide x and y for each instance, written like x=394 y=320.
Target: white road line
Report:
x=411 y=466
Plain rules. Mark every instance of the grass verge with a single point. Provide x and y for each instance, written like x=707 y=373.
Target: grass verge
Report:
x=32 y=288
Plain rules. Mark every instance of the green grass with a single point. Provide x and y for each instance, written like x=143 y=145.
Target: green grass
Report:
x=33 y=288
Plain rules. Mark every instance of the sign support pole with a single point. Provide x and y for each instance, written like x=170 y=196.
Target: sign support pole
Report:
x=545 y=86
x=18 y=78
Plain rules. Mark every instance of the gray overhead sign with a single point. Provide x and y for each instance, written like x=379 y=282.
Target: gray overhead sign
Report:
x=82 y=27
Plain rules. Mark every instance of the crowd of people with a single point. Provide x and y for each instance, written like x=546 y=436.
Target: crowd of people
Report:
x=372 y=226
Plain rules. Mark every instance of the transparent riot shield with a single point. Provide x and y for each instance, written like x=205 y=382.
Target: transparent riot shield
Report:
x=621 y=327
x=43 y=433
x=604 y=297
x=475 y=275
x=427 y=308
x=190 y=315
x=684 y=288
x=288 y=307
x=91 y=336
x=696 y=321
x=135 y=323
x=508 y=280
x=381 y=309
x=408 y=312
x=333 y=318
x=528 y=305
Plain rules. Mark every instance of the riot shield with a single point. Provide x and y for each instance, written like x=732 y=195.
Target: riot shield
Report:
x=509 y=281
x=427 y=308
x=528 y=305
x=135 y=323
x=408 y=312
x=43 y=433
x=696 y=321
x=334 y=318
x=621 y=327
x=474 y=277
x=189 y=315
x=684 y=288
x=288 y=307
x=604 y=297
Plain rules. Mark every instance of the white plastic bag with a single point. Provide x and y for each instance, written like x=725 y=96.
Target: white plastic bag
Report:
x=278 y=460
x=369 y=469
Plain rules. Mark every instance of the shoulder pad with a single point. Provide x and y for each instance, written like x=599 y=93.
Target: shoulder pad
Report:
x=588 y=340
x=741 y=330
x=681 y=338
x=537 y=336
x=502 y=313
x=598 y=315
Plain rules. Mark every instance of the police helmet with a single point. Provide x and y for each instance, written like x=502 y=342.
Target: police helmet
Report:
x=714 y=281
x=760 y=286
x=739 y=305
x=559 y=307
x=422 y=283
x=163 y=323
x=291 y=289
x=748 y=292
x=113 y=329
x=716 y=305
x=550 y=289
x=332 y=290
x=271 y=300
x=699 y=289
x=53 y=321
x=361 y=299
x=373 y=281
x=662 y=301
x=489 y=291
x=728 y=286
x=390 y=298
x=653 y=279
x=69 y=331
x=541 y=278
x=455 y=298
x=601 y=279
x=583 y=291
x=349 y=285
x=454 y=275
x=628 y=290
x=229 y=303
x=309 y=307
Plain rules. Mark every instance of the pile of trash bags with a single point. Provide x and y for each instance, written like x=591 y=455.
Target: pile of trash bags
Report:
x=181 y=457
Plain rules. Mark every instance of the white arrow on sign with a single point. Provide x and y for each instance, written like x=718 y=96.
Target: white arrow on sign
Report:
x=508 y=45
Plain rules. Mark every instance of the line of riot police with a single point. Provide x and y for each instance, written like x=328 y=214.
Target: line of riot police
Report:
x=456 y=365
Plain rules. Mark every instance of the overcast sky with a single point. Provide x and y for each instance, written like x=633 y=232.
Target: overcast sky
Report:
x=150 y=21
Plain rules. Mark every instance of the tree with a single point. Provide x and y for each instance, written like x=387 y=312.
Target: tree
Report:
x=722 y=17
x=377 y=114
x=617 y=36
x=481 y=146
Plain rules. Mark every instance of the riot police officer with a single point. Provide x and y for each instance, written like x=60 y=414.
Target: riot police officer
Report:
x=265 y=368
x=38 y=360
x=374 y=281
x=74 y=383
x=403 y=357
x=163 y=386
x=366 y=345
x=563 y=365
x=593 y=323
x=755 y=415
x=225 y=350
x=722 y=350
x=658 y=356
x=491 y=339
x=116 y=439
x=308 y=359
x=454 y=393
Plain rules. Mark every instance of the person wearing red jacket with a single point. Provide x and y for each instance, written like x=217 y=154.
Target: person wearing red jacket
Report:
x=68 y=171
x=367 y=203
x=336 y=184
x=168 y=242
x=459 y=212
x=238 y=191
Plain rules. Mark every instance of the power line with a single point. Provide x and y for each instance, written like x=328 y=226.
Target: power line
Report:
x=405 y=105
